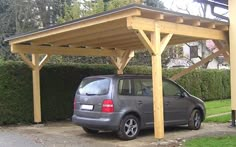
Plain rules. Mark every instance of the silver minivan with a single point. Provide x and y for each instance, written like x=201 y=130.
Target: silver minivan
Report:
x=124 y=104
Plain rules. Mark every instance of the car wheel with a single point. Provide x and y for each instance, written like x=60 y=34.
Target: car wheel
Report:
x=195 y=120
x=90 y=131
x=129 y=128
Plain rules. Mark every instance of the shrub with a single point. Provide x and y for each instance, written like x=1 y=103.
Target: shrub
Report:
x=59 y=82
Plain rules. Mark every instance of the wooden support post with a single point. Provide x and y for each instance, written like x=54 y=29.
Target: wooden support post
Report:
x=203 y=61
x=121 y=62
x=36 y=88
x=233 y=118
x=157 y=84
x=232 y=37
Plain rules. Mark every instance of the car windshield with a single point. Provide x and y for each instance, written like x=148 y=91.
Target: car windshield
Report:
x=94 y=86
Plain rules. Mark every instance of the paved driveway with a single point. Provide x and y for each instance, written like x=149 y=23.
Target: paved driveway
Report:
x=67 y=134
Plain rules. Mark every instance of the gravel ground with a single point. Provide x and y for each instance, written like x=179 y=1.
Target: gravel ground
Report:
x=63 y=134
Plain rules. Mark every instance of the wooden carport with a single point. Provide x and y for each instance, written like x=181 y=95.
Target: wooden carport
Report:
x=117 y=34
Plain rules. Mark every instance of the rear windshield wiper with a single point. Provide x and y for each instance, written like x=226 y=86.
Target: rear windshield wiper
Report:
x=90 y=94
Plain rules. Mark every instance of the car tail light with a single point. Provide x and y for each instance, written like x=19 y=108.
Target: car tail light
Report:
x=74 y=104
x=107 y=106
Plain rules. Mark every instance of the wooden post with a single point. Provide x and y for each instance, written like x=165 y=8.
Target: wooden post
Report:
x=157 y=85
x=36 y=88
x=121 y=62
x=232 y=37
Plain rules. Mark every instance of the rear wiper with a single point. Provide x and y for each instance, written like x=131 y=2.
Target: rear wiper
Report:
x=90 y=94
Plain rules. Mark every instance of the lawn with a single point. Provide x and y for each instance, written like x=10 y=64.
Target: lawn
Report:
x=218 y=107
x=227 y=141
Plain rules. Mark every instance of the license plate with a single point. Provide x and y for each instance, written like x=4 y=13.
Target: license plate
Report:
x=86 y=107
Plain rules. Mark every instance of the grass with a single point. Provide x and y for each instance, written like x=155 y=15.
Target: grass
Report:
x=227 y=141
x=218 y=107
x=219 y=119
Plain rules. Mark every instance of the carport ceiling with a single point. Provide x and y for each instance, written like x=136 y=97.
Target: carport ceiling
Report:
x=100 y=34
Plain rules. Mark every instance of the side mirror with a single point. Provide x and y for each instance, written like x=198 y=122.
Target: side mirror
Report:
x=182 y=94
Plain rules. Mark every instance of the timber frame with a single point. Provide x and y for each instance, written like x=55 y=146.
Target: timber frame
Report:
x=118 y=34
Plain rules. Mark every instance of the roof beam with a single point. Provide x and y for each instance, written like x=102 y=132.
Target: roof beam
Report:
x=76 y=25
x=64 y=50
x=177 y=29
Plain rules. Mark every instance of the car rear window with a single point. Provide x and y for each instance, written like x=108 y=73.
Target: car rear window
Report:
x=94 y=86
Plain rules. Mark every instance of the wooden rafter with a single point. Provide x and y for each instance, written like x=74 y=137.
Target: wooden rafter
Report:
x=63 y=50
x=191 y=68
x=146 y=24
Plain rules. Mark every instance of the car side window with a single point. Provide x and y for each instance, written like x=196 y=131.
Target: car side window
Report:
x=124 y=87
x=143 y=87
x=170 y=89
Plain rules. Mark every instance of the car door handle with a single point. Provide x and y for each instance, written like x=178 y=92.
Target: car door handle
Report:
x=140 y=102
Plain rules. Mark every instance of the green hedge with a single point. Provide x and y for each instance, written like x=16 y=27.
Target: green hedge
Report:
x=59 y=82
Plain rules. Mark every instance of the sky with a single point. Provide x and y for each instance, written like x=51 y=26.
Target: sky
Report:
x=194 y=8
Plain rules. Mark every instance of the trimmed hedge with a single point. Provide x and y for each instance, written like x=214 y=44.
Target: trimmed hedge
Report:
x=59 y=83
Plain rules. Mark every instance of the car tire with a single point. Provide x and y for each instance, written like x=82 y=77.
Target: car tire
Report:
x=90 y=131
x=129 y=128
x=195 y=120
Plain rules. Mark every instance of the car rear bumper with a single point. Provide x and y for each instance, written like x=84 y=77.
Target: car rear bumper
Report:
x=110 y=123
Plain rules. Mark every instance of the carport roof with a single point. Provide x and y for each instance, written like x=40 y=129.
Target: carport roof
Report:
x=117 y=29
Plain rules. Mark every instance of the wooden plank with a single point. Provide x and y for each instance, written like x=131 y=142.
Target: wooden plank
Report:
x=159 y=16
x=117 y=38
x=222 y=27
x=81 y=24
x=92 y=36
x=164 y=42
x=131 y=45
x=157 y=86
x=44 y=61
x=36 y=89
x=124 y=41
x=146 y=42
x=179 y=19
x=232 y=36
x=81 y=32
x=63 y=50
x=210 y=25
x=26 y=60
x=181 y=40
x=175 y=19
x=177 y=29
x=191 y=68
